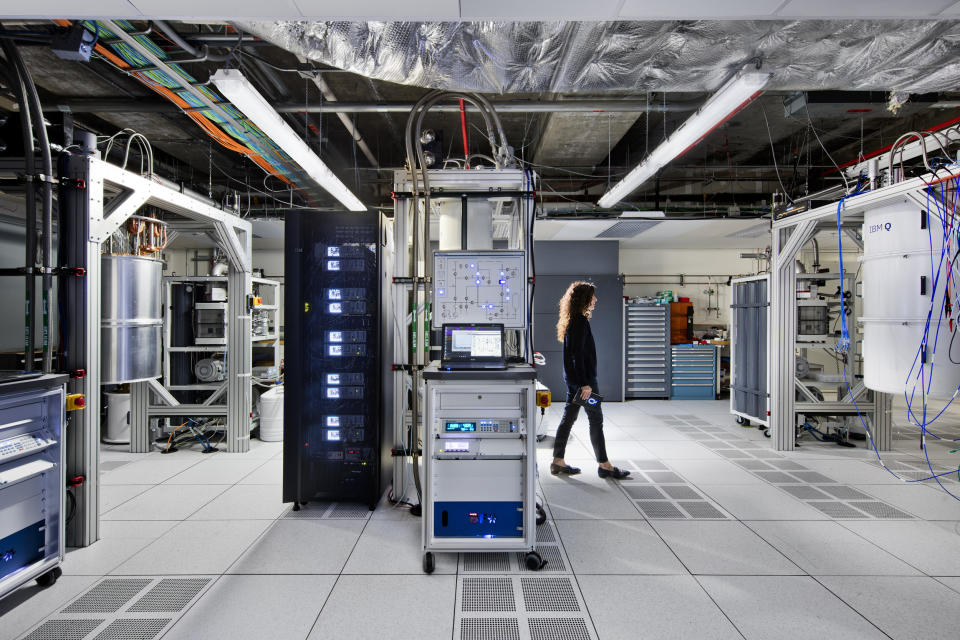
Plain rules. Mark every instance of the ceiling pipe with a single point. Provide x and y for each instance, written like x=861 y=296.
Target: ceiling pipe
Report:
x=177 y=39
x=110 y=105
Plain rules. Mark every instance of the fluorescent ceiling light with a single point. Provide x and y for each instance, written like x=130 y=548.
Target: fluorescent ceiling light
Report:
x=727 y=101
x=247 y=99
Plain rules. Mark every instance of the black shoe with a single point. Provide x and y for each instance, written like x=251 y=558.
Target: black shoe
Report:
x=615 y=473
x=557 y=470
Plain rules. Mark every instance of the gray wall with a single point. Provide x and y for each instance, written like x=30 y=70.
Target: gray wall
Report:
x=558 y=264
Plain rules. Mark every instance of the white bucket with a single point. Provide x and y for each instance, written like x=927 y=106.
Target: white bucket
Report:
x=117 y=428
x=897 y=286
x=271 y=415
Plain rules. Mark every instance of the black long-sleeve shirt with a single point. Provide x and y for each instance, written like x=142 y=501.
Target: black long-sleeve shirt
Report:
x=579 y=353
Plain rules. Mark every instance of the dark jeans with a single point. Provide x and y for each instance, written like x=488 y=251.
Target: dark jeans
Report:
x=570 y=413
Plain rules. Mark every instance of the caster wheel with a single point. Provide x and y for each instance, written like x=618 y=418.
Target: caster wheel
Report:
x=541 y=438
x=428 y=565
x=50 y=577
x=743 y=421
x=766 y=433
x=541 y=515
x=533 y=561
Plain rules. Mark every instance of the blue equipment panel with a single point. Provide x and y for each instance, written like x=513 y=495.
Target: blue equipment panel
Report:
x=478 y=519
x=22 y=548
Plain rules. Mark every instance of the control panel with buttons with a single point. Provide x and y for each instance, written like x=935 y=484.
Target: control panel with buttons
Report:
x=19 y=445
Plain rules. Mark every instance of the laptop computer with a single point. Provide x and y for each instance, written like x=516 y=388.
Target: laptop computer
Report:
x=472 y=346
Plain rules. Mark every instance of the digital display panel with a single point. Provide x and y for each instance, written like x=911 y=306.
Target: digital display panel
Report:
x=460 y=427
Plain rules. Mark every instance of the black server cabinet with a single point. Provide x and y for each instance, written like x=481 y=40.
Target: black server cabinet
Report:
x=333 y=446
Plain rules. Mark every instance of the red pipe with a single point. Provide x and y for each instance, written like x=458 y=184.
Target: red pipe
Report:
x=463 y=127
x=878 y=152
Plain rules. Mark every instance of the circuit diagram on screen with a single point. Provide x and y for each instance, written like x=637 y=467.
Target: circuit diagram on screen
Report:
x=480 y=288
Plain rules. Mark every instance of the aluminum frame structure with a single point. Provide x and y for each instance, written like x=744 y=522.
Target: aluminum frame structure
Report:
x=91 y=219
x=790 y=233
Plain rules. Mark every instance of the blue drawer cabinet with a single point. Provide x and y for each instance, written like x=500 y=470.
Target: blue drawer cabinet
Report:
x=693 y=369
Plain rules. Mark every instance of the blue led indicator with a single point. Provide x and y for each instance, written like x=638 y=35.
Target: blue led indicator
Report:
x=503 y=281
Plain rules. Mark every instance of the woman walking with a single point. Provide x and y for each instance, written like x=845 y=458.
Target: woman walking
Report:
x=580 y=374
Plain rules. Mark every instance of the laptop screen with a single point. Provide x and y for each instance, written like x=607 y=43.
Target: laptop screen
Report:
x=472 y=342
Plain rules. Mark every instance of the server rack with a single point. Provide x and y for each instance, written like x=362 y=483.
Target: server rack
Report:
x=646 y=355
x=333 y=409
x=749 y=346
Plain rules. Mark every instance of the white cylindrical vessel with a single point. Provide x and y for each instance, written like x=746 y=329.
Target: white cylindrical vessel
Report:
x=271 y=415
x=117 y=428
x=898 y=289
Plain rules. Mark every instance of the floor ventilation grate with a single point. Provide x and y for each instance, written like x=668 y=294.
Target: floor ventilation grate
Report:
x=133 y=629
x=558 y=629
x=776 y=477
x=170 y=595
x=755 y=465
x=659 y=510
x=487 y=594
x=545 y=533
x=486 y=562
x=881 y=510
x=489 y=628
x=349 y=510
x=788 y=465
x=813 y=477
x=701 y=510
x=836 y=509
x=644 y=492
x=549 y=594
x=650 y=465
x=845 y=493
x=64 y=629
x=549 y=553
x=805 y=492
x=681 y=492
x=108 y=596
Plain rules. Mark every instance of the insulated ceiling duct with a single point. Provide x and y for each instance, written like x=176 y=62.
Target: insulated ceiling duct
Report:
x=914 y=56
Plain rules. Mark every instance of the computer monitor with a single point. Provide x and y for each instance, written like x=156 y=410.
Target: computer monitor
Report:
x=472 y=343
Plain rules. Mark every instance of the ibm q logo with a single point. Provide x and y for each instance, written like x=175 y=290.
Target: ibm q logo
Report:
x=886 y=226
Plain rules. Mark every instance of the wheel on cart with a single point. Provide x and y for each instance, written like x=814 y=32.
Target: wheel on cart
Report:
x=743 y=421
x=534 y=561
x=50 y=577
x=428 y=565
x=541 y=515
x=766 y=432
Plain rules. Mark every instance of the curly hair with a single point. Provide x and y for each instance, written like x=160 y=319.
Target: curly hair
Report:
x=574 y=302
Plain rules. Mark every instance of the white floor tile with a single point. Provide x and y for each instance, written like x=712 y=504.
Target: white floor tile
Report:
x=195 y=547
x=653 y=607
x=293 y=546
x=587 y=497
x=245 y=502
x=165 y=502
x=608 y=547
x=722 y=548
x=406 y=607
x=151 y=470
x=271 y=472
x=924 y=545
x=827 y=548
x=263 y=606
x=667 y=450
x=394 y=546
x=217 y=471
x=901 y=607
x=135 y=529
x=713 y=472
x=760 y=502
x=102 y=557
x=30 y=604
x=113 y=495
x=794 y=607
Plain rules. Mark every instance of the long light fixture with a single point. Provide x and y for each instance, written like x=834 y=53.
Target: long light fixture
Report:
x=247 y=99
x=733 y=96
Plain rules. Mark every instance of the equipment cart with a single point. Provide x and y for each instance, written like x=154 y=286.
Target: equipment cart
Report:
x=480 y=465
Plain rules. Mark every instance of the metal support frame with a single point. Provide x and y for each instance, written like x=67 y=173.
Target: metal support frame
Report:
x=91 y=221
x=790 y=233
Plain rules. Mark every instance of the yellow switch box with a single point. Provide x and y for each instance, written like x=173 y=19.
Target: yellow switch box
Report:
x=76 y=401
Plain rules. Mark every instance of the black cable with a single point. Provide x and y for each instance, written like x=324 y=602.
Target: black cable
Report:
x=72 y=499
